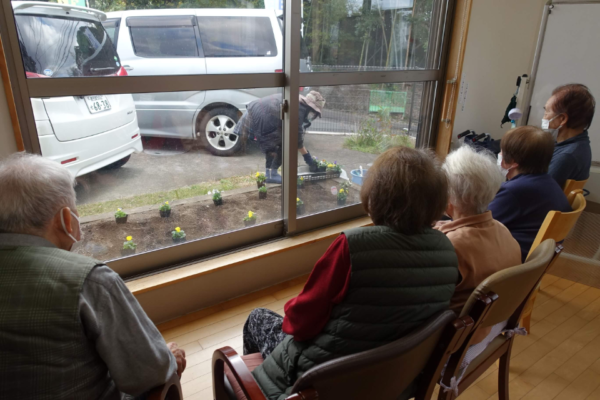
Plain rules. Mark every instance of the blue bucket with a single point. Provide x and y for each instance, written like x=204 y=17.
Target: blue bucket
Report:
x=356 y=178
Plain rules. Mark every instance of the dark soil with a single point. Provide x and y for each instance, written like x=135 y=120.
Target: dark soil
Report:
x=104 y=239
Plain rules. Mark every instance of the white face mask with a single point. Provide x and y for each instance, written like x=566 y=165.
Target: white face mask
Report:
x=62 y=220
x=502 y=169
x=546 y=127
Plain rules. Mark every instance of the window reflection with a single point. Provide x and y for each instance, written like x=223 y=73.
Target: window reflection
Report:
x=358 y=123
x=59 y=47
x=143 y=38
x=363 y=35
x=163 y=161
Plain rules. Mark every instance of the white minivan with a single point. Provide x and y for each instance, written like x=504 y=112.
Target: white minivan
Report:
x=84 y=133
x=192 y=42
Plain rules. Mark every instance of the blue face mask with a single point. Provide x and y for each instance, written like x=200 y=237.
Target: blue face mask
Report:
x=62 y=220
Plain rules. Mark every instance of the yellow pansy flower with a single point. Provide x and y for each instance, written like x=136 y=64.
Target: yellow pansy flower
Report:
x=250 y=214
x=257 y=174
x=118 y=209
x=178 y=229
x=330 y=166
x=301 y=178
x=341 y=190
x=297 y=198
x=166 y=202
x=129 y=238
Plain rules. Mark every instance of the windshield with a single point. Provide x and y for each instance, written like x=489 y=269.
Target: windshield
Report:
x=60 y=47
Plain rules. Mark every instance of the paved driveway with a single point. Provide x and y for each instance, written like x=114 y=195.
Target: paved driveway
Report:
x=168 y=164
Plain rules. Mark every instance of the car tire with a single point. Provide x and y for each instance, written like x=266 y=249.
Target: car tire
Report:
x=216 y=132
x=117 y=164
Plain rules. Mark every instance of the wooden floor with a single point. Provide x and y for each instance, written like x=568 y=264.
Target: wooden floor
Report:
x=560 y=359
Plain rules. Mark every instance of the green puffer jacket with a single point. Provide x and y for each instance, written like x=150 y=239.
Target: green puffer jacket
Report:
x=398 y=281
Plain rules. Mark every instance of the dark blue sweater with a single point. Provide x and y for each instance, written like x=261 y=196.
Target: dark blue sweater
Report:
x=523 y=203
x=572 y=159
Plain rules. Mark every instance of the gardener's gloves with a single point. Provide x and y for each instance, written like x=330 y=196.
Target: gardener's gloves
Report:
x=308 y=159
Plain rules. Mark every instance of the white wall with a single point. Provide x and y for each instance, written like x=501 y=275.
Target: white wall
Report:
x=500 y=47
x=7 y=136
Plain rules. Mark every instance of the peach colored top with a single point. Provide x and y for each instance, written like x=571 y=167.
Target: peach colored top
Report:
x=484 y=246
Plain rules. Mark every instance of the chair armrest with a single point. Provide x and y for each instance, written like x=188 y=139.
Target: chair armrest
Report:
x=244 y=378
x=306 y=394
x=171 y=390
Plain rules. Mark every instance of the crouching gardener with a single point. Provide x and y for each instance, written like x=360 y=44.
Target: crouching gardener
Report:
x=262 y=120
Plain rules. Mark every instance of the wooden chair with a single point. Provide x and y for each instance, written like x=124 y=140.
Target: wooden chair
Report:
x=556 y=226
x=169 y=391
x=508 y=291
x=571 y=197
x=571 y=185
x=382 y=373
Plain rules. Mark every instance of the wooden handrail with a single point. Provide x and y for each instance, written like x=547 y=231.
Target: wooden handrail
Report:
x=168 y=390
x=229 y=356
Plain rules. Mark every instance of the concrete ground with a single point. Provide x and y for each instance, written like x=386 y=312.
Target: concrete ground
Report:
x=168 y=164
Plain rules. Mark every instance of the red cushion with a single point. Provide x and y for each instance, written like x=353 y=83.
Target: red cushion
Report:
x=252 y=361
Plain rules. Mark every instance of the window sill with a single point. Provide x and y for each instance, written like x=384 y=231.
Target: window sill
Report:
x=172 y=277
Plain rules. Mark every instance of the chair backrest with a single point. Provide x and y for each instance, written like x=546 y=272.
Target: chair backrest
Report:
x=557 y=225
x=512 y=285
x=571 y=197
x=382 y=373
x=571 y=185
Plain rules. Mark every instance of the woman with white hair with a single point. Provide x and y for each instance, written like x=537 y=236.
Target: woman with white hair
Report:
x=483 y=245
x=69 y=327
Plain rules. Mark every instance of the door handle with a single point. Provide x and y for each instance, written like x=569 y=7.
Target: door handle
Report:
x=127 y=67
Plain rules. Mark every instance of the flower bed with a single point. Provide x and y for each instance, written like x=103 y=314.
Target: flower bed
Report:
x=199 y=218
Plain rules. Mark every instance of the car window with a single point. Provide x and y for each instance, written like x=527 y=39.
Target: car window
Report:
x=237 y=36
x=64 y=47
x=163 y=36
x=111 y=26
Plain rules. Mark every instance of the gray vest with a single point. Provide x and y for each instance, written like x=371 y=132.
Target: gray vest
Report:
x=44 y=353
x=397 y=283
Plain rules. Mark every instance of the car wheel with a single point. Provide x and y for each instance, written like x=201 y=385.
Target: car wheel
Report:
x=216 y=132
x=117 y=164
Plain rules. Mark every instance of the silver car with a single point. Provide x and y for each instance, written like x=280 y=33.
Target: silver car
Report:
x=197 y=41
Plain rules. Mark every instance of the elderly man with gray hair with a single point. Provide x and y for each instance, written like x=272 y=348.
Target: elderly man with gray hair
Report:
x=483 y=245
x=69 y=327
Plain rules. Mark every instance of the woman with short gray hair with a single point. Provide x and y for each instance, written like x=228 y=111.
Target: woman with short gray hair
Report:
x=474 y=179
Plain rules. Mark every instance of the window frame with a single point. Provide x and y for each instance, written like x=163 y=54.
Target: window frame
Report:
x=290 y=80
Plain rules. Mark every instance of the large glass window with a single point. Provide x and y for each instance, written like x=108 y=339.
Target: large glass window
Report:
x=151 y=163
x=185 y=38
x=196 y=155
x=365 y=35
x=358 y=122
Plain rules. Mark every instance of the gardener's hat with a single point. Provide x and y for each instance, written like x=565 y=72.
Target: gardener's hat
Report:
x=314 y=100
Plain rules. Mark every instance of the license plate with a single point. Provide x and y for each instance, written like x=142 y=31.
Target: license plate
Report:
x=97 y=104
